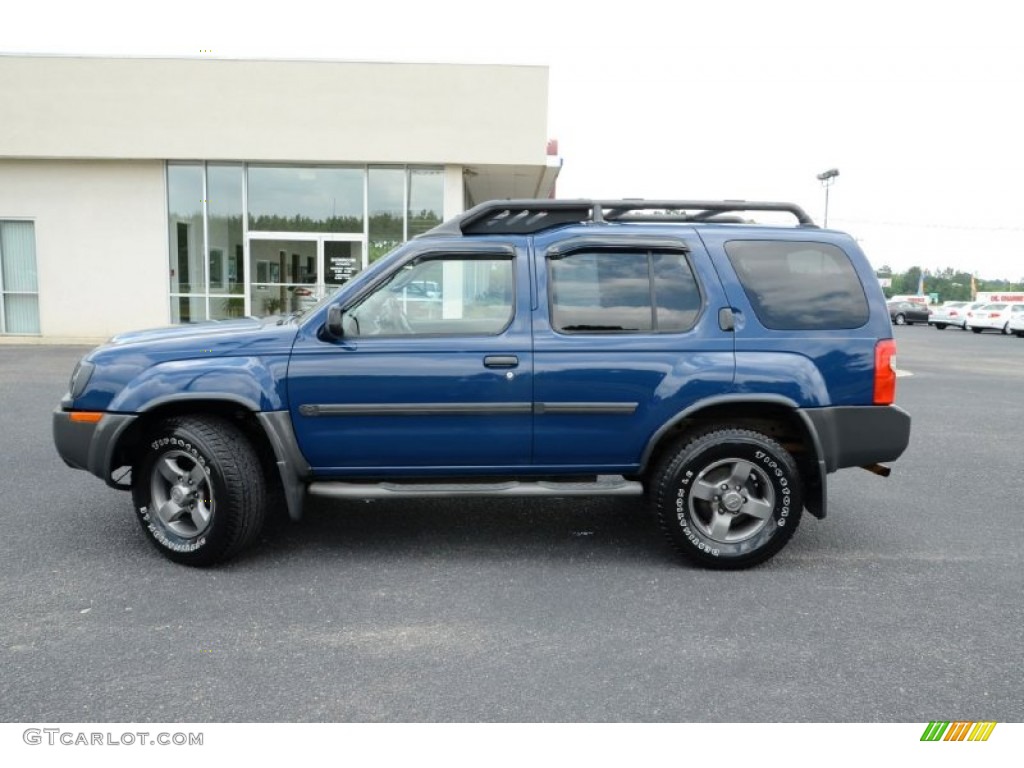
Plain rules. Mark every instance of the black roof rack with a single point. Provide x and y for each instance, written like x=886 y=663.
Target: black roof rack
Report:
x=525 y=217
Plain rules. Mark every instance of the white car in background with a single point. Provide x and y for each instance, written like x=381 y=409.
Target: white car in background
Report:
x=969 y=310
x=1016 y=324
x=995 y=317
x=950 y=313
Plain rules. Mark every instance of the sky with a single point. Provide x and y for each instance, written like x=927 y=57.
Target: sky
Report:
x=916 y=104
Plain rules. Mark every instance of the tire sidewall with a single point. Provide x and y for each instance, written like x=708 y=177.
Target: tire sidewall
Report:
x=214 y=540
x=783 y=477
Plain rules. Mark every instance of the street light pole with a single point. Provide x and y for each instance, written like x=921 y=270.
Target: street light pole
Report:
x=827 y=179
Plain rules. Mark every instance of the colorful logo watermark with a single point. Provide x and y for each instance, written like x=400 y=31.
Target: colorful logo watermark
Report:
x=958 y=731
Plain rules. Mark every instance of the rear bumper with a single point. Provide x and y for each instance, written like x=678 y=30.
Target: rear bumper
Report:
x=857 y=436
x=89 y=446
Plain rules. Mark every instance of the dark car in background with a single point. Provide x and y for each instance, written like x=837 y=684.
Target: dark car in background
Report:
x=908 y=312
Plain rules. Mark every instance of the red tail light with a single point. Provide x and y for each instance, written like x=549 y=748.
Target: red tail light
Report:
x=885 y=372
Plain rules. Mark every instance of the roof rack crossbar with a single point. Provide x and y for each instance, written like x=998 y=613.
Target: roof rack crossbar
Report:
x=531 y=216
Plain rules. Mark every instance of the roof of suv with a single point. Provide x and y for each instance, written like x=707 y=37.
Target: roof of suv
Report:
x=527 y=217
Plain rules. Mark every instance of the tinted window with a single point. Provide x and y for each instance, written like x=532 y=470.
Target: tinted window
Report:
x=799 y=286
x=622 y=292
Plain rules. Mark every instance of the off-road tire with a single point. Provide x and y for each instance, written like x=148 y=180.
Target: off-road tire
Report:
x=729 y=498
x=198 y=490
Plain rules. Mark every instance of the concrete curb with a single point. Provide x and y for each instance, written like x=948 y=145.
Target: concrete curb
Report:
x=51 y=341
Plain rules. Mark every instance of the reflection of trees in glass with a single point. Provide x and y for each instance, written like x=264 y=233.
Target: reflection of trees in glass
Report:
x=299 y=223
x=386 y=225
x=422 y=221
x=380 y=248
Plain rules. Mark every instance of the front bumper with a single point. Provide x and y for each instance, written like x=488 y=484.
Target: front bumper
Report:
x=858 y=436
x=89 y=446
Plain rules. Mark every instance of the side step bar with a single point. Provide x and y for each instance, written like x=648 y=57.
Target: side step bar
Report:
x=604 y=485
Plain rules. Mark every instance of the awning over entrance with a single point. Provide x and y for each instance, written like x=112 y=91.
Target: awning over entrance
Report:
x=498 y=182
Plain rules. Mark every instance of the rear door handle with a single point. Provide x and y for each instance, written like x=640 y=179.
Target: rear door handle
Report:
x=501 y=361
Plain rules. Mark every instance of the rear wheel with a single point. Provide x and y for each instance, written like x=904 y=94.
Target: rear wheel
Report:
x=941 y=326
x=730 y=498
x=900 y=320
x=976 y=330
x=198 y=490
x=1006 y=330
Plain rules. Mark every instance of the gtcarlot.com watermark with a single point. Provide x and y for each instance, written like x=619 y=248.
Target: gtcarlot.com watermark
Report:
x=57 y=736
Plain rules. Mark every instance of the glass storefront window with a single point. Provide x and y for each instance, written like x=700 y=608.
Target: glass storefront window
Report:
x=226 y=266
x=224 y=261
x=188 y=309
x=185 y=222
x=305 y=199
x=386 y=206
x=426 y=200
x=19 y=286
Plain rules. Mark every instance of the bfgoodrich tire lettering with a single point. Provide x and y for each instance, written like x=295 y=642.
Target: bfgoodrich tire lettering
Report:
x=731 y=498
x=198 y=490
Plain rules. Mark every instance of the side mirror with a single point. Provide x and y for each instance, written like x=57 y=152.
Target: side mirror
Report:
x=333 y=326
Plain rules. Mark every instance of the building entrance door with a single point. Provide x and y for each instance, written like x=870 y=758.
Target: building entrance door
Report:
x=291 y=271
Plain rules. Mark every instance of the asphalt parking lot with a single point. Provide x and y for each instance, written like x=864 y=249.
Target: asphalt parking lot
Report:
x=904 y=605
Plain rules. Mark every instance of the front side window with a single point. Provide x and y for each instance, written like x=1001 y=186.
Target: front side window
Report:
x=623 y=292
x=438 y=295
x=799 y=286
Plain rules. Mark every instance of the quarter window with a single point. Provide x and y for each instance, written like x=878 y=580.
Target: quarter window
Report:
x=799 y=286
x=623 y=292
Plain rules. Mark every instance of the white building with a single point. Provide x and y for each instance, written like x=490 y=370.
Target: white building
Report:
x=138 y=192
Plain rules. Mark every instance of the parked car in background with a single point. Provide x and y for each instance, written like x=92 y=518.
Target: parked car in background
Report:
x=908 y=312
x=950 y=313
x=1016 y=324
x=995 y=317
x=965 y=311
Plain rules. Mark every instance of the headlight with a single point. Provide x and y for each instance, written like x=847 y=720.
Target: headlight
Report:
x=80 y=377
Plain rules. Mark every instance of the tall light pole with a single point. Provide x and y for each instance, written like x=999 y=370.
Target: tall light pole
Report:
x=827 y=179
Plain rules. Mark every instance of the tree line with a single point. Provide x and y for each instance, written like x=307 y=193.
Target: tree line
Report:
x=950 y=284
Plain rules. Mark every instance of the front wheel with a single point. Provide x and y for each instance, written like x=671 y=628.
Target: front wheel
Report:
x=900 y=320
x=198 y=490
x=976 y=330
x=1006 y=330
x=940 y=326
x=728 y=499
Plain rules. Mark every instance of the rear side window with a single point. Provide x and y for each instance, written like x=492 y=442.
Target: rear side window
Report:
x=795 y=286
x=623 y=292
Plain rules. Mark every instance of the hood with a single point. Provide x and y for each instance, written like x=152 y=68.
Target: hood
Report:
x=192 y=330
x=246 y=353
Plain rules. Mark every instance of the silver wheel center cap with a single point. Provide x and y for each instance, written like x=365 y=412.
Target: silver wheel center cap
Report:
x=179 y=494
x=732 y=501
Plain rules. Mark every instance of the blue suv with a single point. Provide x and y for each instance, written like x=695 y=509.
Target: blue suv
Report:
x=672 y=349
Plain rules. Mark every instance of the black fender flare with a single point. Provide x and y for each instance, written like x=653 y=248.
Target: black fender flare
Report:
x=815 y=497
